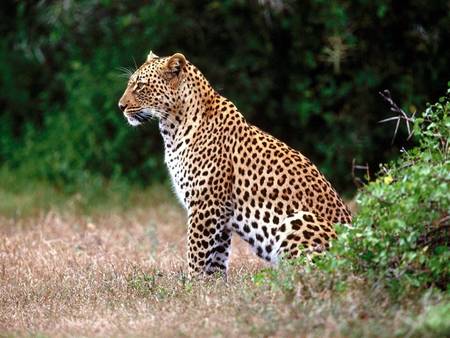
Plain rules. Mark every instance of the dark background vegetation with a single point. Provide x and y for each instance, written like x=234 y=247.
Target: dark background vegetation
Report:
x=306 y=71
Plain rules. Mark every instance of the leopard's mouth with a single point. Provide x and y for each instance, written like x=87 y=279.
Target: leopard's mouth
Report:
x=136 y=118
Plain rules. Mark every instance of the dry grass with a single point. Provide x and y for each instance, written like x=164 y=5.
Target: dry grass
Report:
x=123 y=274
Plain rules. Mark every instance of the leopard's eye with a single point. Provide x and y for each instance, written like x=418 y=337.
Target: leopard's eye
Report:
x=139 y=86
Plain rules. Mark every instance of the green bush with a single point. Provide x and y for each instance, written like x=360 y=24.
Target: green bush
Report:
x=401 y=233
x=435 y=322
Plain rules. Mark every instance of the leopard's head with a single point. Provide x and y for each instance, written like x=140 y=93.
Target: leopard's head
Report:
x=153 y=89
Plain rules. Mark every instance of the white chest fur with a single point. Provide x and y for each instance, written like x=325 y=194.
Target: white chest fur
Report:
x=176 y=153
x=174 y=162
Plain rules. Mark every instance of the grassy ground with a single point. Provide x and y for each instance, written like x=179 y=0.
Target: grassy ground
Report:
x=122 y=273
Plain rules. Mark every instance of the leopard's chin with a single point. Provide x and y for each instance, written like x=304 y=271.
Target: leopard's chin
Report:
x=139 y=117
x=132 y=121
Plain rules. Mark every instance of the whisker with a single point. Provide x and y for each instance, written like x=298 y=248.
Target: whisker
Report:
x=147 y=114
x=125 y=72
x=135 y=64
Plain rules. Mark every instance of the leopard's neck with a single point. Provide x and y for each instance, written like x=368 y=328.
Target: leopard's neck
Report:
x=193 y=109
x=179 y=128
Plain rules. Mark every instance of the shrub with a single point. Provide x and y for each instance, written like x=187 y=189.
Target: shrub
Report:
x=435 y=322
x=401 y=232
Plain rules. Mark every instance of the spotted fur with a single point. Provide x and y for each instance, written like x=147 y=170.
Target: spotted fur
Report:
x=229 y=175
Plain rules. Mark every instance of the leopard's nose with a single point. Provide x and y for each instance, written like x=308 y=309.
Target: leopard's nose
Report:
x=122 y=106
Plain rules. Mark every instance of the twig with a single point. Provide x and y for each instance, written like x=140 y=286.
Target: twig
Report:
x=386 y=95
x=356 y=180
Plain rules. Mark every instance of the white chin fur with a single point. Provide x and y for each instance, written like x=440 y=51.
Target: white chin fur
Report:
x=132 y=121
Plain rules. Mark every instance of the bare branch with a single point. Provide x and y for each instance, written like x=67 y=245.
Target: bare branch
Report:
x=356 y=180
x=401 y=115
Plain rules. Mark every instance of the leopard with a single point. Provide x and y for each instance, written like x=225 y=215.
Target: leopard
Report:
x=231 y=177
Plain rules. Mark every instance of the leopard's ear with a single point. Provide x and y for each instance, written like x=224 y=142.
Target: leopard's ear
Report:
x=151 y=56
x=176 y=63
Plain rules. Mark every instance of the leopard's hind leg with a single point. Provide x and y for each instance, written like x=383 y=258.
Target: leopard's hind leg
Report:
x=304 y=233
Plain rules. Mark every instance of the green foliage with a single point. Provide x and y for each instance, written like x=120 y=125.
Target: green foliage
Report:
x=402 y=231
x=306 y=71
x=146 y=284
x=294 y=278
x=435 y=322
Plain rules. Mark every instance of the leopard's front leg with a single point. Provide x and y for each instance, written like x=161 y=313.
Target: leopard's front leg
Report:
x=208 y=239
